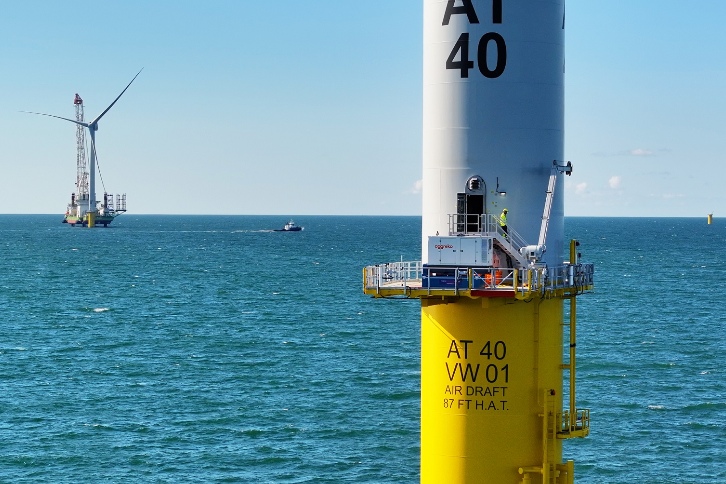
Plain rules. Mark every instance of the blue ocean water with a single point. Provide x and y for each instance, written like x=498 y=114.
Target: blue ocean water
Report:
x=212 y=349
x=651 y=350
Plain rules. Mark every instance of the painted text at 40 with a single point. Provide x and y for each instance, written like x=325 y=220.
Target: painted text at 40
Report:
x=459 y=57
x=476 y=379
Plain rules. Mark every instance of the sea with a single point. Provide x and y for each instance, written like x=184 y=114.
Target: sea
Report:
x=179 y=349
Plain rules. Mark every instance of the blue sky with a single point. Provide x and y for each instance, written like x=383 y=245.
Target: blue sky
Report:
x=297 y=107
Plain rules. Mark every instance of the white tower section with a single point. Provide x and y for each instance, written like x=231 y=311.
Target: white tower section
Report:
x=493 y=107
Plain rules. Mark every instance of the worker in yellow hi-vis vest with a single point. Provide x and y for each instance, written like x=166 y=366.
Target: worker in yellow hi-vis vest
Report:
x=503 y=221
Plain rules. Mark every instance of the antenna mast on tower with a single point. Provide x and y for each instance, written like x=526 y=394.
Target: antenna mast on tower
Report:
x=82 y=173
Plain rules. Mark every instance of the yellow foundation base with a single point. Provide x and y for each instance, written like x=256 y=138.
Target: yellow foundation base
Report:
x=491 y=391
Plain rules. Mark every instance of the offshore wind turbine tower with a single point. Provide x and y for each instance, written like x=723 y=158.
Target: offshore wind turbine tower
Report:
x=84 y=209
x=497 y=341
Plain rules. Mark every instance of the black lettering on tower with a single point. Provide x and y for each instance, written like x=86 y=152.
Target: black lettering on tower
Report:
x=496 y=11
x=468 y=9
x=462 y=48
x=501 y=55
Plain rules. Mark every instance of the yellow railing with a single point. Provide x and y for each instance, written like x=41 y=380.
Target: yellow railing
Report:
x=411 y=279
x=579 y=426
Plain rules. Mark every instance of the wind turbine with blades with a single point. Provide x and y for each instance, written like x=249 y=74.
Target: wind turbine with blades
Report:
x=108 y=211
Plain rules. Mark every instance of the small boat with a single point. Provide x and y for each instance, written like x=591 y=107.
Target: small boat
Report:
x=289 y=227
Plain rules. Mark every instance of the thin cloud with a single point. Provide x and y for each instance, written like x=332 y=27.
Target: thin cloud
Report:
x=640 y=152
x=416 y=188
x=580 y=188
x=615 y=181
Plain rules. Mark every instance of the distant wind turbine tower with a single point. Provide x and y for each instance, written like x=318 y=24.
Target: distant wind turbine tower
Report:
x=80 y=212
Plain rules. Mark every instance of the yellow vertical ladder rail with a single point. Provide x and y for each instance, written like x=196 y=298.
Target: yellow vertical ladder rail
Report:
x=573 y=344
x=571 y=421
x=547 y=409
x=549 y=470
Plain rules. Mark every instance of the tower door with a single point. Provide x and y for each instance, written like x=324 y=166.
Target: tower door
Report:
x=474 y=211
x=469 y=209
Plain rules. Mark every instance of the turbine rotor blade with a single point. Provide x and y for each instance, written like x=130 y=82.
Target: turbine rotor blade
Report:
x=59 y=117
x=98 y=118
